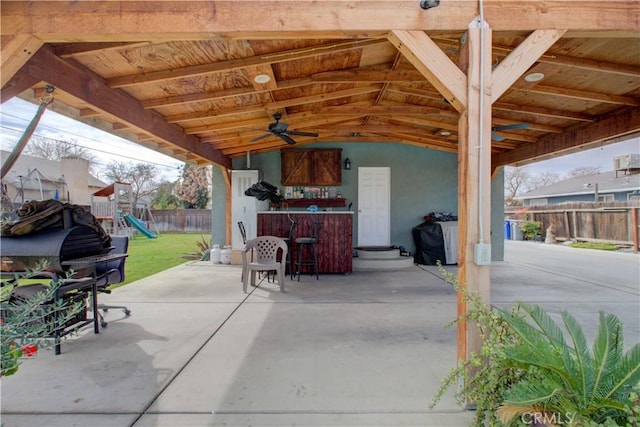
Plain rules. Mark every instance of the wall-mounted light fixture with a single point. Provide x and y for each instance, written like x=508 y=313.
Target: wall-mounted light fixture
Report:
x=347 y=164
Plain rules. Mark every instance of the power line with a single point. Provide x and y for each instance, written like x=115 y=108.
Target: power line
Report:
x=84 y=146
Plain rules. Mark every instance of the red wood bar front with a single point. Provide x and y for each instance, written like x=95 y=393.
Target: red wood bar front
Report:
x=334 y=245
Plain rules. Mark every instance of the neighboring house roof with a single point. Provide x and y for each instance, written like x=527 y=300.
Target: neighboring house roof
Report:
x=48 y=170
x=606 y=183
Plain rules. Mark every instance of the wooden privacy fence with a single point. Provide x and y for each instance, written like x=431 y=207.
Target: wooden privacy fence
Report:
x=614 y=222
x=182 y=220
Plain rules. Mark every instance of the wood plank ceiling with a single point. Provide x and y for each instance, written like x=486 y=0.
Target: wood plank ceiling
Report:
x=202 y=99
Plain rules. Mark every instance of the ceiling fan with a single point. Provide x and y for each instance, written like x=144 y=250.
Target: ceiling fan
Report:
x=495 y=129
x=279 y=129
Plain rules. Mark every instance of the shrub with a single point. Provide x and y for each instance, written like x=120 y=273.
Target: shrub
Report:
x=531 y=229
x=26 y=325
x=526 y=368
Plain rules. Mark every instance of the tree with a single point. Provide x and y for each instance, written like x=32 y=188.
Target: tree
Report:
x=141 y=176
x=583 y=171
x=164 y=197
x=541 y=180
x=193 y=189
x=54 y=149
x=515 y=182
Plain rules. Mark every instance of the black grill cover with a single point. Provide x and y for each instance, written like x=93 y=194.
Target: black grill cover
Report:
x=429 y=242
x=54 y=245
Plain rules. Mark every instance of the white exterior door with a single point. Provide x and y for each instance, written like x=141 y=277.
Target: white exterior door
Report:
x=243 y=208
x=374 y=206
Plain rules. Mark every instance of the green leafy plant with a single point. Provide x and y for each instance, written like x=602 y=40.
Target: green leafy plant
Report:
x=526 y=371
x=484 y=376
x=565 y=380
x=531 y=229
x=27 y=325
x=203 y=252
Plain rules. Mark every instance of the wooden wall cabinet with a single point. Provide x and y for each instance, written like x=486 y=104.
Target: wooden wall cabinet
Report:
x=317 y=166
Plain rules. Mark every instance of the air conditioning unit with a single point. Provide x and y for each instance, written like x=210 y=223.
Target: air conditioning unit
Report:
x=627 y=163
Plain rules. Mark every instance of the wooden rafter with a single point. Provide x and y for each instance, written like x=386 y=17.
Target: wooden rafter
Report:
x=616 y=125
x=234 y=64
x=46 y=66
x=432 y=62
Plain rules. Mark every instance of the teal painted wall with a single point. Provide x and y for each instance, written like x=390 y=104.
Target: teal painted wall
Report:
x=218 y=207
x=422 y=181
x=497 y=216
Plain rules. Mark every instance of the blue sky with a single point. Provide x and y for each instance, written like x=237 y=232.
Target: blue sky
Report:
x=16 y=114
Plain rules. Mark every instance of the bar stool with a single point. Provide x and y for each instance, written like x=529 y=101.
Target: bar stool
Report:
x=289 y=240
x=311 y=243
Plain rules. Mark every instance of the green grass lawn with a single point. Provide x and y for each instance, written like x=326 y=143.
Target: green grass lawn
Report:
x=603 y=246
x=150 y=256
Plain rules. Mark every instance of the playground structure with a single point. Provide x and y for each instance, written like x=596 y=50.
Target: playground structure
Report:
x=113 y=207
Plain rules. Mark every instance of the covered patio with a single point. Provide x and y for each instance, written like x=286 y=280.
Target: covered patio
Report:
x=369 y=348
x=202 y=80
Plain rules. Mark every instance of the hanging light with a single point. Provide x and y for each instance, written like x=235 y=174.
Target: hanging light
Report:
x=347 y=164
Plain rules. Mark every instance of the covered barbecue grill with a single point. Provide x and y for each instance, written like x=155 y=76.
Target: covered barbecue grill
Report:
x=48 y=239
x=56 y=245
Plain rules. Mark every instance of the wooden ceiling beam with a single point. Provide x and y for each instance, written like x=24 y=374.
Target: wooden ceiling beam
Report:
x=369 y=75
x=226 y=139
x=385 y=110
x=380 y=128
x=506 y=106
x=15 y=50
x=591 y=65
x=581 y=63
x=581 y=94
x=222 y=94
x=20 y=82
x=521 y=59
x=72 y=21
x=84 y=84
x=223 y=126
x=419 y=121
x=543 y=111
x=70 y=50
x=235 y=64
x=360 y=90
x=578 y=138
x=434 y=64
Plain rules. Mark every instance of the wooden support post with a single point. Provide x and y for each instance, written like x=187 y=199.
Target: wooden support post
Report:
x=635 y=225
x=474 y=182
x=226 y=173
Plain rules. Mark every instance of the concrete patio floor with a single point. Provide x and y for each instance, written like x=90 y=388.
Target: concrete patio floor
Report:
x=366 y=349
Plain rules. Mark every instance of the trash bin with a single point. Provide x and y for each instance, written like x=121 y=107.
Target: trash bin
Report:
x=507 y=229
x=516 y=232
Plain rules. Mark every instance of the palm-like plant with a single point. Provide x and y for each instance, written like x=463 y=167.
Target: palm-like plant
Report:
x=570 y=383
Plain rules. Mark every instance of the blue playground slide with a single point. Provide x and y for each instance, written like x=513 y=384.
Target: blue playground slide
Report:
x=139 y=225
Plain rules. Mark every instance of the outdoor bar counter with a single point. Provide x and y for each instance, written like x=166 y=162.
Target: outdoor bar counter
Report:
x=335 y=241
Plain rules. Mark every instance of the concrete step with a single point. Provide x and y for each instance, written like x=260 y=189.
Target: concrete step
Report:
x=399 y=262
x=380 y=258
x=377 y=253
